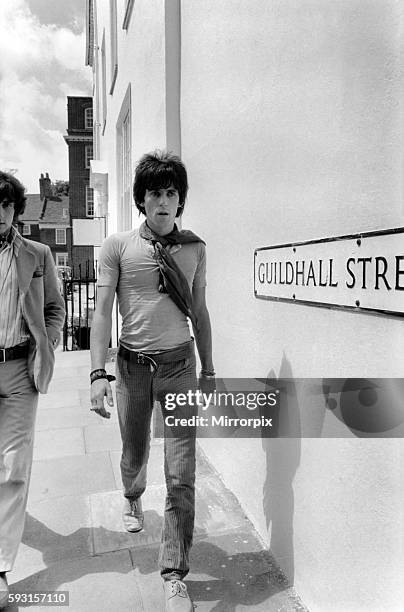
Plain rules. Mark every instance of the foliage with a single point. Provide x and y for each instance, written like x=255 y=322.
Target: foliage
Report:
x=61 y=187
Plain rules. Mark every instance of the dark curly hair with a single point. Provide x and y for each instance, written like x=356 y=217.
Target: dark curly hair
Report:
x=12 y=190
x=159 y=170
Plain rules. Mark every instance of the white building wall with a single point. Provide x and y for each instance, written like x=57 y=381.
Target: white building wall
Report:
x=141 y=66
x=292 y=130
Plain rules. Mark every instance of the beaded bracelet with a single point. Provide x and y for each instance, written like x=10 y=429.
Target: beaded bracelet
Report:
x=97 y=374
x=100 y=374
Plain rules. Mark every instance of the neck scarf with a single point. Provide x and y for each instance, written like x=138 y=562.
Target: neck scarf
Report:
x=176 y=236
x=171 y=277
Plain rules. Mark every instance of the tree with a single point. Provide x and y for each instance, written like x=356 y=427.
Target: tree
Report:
x=61 y=187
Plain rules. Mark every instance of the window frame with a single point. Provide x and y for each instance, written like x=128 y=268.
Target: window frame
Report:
x=60 y=229
x=88 y=159
x=88 y=111
x=90 y=201
x=103 y=83
x=66 y=259
x=24 y=228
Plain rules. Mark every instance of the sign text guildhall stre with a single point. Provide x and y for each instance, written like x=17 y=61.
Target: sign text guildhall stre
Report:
x=363 y=271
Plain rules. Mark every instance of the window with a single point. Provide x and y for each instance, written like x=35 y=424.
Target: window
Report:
x=128 y=13
x=26 y=230
x=88 y=118
x=104 y=83
x=61 y=260
x=89 y=201
x=88 y=155
x=114 y=44
x=65 y=213
x=60 y=236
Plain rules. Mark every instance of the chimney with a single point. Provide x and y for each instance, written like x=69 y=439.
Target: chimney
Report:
x=45 y=187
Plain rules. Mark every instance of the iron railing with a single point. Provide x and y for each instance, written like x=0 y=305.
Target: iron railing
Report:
x=80 y=296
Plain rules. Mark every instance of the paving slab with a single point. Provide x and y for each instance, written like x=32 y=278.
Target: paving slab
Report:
x=216 y=509
x=56 y=529
x=63 y=417
x=155 y=466
x=70 y=359
x=233 y=572
x=53 y=443
x=109 y=533
x=84 y=397
x=85 y=404
x=203 y=467
x=151 y=588
x=68 y=375
x=222 y=578
x=68 y=397
x=100 y=437
x=155 y=469
x=79 y=475
x=210 y=516
x=95 y=584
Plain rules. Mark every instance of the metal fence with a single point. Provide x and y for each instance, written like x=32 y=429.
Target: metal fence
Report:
x=80 y=296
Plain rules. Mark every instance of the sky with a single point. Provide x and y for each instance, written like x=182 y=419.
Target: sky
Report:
x=42 y=61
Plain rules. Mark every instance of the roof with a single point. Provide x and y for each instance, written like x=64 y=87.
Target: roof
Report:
x=52 y=210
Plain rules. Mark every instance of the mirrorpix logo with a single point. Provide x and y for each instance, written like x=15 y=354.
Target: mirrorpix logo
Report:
x=224 y=413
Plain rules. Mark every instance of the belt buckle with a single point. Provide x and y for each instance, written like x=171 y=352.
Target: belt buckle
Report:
x=3 y=357
x=140 y=358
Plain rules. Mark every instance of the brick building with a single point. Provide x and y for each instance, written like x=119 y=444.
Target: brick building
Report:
x=79 y=139
x=47 y=219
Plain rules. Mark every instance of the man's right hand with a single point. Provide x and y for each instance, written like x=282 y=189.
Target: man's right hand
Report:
x=99 y=389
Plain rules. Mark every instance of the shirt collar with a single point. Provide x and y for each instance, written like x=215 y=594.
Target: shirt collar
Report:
x=15 y=239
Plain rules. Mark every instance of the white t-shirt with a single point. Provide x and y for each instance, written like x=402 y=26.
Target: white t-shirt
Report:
x=151 y=321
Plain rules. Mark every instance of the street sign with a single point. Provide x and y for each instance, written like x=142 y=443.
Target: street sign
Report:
x=362 y=271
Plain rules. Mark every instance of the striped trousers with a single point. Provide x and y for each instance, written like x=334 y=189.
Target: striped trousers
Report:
x=137 y=386
x=18 y=405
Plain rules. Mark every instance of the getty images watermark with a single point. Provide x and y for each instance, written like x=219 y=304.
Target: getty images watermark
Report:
x=289 y=407
x=221 y=413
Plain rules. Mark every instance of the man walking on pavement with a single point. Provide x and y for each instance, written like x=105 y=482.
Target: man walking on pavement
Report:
x=158 y=273
x=31 y=318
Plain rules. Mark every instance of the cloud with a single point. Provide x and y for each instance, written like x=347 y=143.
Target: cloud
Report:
x=40 y=64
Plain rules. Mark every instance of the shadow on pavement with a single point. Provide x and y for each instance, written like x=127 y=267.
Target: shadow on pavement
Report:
x=230 y=579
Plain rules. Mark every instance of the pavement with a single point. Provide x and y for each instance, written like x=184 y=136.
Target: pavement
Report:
x=74 y=540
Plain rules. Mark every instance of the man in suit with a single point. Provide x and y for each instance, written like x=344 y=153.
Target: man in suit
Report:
x=31 y=318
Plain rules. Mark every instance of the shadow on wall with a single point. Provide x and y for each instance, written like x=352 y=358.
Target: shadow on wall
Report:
x=282 y=461
x=360 y=407
x=283 y=452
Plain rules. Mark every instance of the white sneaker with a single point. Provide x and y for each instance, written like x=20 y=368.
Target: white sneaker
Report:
x=177 y=598
x=132 y=515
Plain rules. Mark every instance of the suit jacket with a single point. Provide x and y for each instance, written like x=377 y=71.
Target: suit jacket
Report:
x=43 y=308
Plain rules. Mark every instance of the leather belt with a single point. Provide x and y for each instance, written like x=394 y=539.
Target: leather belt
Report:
x=14 y=352
x=176 y=354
